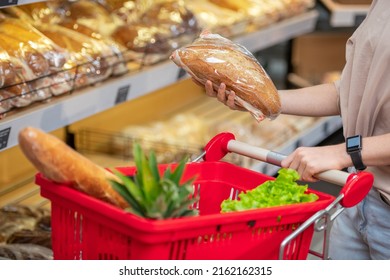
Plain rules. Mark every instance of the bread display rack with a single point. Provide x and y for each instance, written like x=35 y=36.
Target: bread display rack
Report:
x=92 y=100
x=89 y=101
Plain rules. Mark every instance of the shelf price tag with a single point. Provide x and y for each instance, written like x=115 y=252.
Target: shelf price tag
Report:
x=4 y=136
x=4 y=3
x=181 y=74
x=122 y=94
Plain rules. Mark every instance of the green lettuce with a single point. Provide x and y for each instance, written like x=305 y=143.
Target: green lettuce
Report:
x=283 y=190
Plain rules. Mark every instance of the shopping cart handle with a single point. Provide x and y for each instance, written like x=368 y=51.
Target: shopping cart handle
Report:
x=355 y=185
x=217 y=147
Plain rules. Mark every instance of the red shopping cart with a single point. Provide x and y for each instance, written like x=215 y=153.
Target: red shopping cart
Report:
x=86 y=228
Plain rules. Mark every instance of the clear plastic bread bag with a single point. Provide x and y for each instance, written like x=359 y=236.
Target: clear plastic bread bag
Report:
x=9 y=83
x=220 y=60
x=43 y=60
x=91 y=59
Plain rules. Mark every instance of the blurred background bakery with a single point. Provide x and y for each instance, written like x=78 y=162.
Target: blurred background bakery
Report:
x=53 y=50
x=55 y=47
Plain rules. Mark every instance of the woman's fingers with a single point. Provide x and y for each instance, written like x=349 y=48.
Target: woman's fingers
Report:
x=227 y=98
x=221 y=94
x=301 y=161
x=231 y=101
x=209 y=89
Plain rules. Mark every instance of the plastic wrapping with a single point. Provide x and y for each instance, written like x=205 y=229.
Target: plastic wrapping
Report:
x=160 y=29
x=215 y=58
x=40 y=12
x=40 y=61
x=128 y=11
x=93 y=15
x=174 y=16
x=19 y=86
x=149 y=44
x=120 y=55
x=91 y=60
x=218 y=19
x=10 y=83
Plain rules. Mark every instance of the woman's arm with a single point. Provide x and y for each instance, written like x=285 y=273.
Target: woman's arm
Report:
x=321 y=100
x=313 y=101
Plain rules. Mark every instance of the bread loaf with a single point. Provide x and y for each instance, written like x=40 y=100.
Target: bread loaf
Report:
x=92 y=58
x=60 y=163
x=117 y=60
x=214 y=58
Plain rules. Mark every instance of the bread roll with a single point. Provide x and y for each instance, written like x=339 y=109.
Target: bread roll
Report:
x=214 y=58
x=60 y=163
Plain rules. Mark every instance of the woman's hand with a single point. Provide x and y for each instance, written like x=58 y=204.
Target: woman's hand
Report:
x=224 y=97
x=309 y=161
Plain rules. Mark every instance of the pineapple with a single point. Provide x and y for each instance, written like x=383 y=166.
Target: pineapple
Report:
x=153 y=196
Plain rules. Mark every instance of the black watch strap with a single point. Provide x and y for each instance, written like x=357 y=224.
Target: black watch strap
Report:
x=357 y=160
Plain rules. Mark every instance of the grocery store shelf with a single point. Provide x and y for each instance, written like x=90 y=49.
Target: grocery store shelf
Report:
x=280 y=32
x=312 y=136
x=343 y=15
x=7 y=3
x=66 y=110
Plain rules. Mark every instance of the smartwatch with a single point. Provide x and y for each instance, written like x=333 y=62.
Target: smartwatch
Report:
x=354 y=147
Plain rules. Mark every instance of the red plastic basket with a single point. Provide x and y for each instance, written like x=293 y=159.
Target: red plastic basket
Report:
x=87 y=228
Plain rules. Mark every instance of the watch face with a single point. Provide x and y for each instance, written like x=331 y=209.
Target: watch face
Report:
x=354 y=142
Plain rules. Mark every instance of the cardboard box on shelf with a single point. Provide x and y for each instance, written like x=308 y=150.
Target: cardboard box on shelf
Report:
x=315 y=55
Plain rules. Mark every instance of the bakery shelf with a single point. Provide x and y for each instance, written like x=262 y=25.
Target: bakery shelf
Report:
x=280 y=32
x=66 y=110
x=7 y=3
x=346 y=15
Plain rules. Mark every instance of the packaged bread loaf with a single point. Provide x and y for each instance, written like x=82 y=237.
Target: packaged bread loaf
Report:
x=8 y=80
x=93 y=15
x=90 y=59
x=160 y=28
x=215 y=58
x=120 y=55
x=218 y=19
x=60 y=163
x=40 y=12
x=128 y=11
x=19 y=86
x=28 y=35
x=43 y=60
x=174 y=16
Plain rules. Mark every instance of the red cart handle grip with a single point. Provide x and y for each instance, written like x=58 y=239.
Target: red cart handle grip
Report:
x=355 y=185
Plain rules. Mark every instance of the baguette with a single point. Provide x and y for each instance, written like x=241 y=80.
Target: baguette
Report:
x=215 y=58
x=60 y=163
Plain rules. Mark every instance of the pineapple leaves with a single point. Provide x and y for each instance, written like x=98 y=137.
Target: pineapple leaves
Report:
x=153 y=166
x=136 y=207
x=145 y=174
x=153 y=196
x=177 y=173
x=131 y=187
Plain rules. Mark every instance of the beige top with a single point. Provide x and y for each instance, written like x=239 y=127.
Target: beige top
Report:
x=364 y=87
